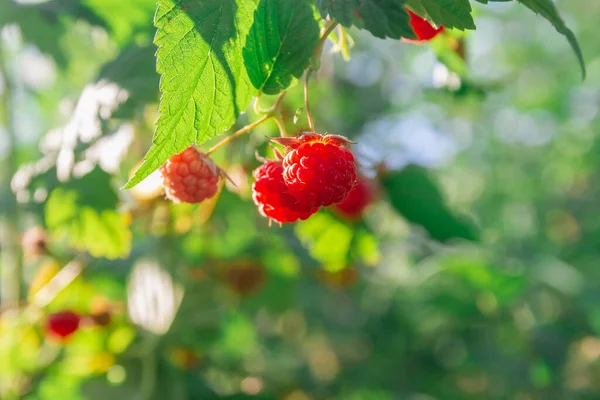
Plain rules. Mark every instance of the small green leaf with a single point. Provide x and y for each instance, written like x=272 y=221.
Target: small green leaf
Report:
x=84 y=213
x=204 y=84
x=280 y=43
x=449 y=13
x=383 y=18
x=417 y=198
x=548 y=10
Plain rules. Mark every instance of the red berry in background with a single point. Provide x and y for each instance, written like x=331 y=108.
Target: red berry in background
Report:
x=62 y=324
x=357 y=201
x=319 y=170
x=190 y=176
x=422 y=28
x=272 y=197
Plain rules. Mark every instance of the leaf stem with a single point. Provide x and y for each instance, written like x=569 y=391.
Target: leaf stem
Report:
x=309 y=117
x=239 y=132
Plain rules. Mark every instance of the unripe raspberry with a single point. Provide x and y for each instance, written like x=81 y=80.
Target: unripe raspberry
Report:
x=190 y=177
x=62 y=325
x=357 y=201
x=272 y=197
x=422 y=28
x=318 y=169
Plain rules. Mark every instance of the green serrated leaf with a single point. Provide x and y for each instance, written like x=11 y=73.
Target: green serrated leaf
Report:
x=449 y=13
x=280 y=44
x=84 y=213
x=383 y=18
x=204 y=84
x=417 y=198
x=548 y=10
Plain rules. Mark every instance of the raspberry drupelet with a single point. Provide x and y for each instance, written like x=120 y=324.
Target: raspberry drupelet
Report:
x=272 y=197
x=319 y=170
x=190 y=176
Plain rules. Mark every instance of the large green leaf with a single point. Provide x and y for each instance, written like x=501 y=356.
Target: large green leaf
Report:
x=449 y=13
x=204 y=83
x=548 y=10
x=417 y=198
x=280 y=43
x=383 y=18
x=84 y=213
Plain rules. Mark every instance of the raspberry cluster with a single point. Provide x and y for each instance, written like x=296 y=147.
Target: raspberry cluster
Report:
x=190 y=177
x=316 y=171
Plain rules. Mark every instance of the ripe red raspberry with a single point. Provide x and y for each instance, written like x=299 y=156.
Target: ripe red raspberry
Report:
x=318 y=169
x=190 y=177
x=62 y=324
x=422 y=28
x=272 y=197
x=357 y=200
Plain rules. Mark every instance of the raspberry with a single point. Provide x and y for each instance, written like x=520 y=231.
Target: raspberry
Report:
x=190 y=177
x=318 y=169
x=422 y=28
x=62 y=324
x=357 y=200
x=272 y=197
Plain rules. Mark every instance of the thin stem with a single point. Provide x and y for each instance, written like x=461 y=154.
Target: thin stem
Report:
x=12 y=270
x=316 y=57
x=240 y=132
x=280 y=125
x=259 y=110
x=309 y=117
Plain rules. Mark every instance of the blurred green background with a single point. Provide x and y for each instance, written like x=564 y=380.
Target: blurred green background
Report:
x=474 y=276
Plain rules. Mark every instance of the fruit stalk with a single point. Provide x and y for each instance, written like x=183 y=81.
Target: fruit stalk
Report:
x=239 y=132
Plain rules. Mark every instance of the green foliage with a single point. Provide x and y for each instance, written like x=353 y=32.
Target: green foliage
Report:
x=434 y=306
x=417 y=198
x=204 y=83
x=547 y=9
x=383 y=18
x=83 y=212
x=133 y=70
x=449 y=13
x=124 y=18
x=280 y=44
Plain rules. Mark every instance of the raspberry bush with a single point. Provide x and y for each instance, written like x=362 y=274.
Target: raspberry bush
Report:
x=185 y=211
